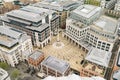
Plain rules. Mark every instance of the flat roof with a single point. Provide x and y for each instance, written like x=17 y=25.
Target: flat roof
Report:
x=56 y=64
x=6 y=41
x=8 y=36
x=86 y=10
x=37 y=10
x=26 y=15
x=36 y=54
x=75 y=23
x=6 y=30
x=106 y=24
x=58 y=5
x=3 y=74
x=99 y=57
x=116 y=75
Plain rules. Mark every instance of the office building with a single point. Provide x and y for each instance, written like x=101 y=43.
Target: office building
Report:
x=76 y=32
x=102 y=34
x=35 y=59
x=96 y=63
x=33 y=24
x=4 y=75
x=86 y=14
x=55 y=67
x=15 y=45
x=62 y=8
x=108 y=4
x=52 y=18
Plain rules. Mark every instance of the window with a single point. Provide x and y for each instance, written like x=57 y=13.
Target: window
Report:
x=108 y=44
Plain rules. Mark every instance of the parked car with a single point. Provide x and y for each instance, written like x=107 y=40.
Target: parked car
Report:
x=41 y=75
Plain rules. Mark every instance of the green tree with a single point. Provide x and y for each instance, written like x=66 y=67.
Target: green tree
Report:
x=15 y=74
x=4 y=65
x=93 y=2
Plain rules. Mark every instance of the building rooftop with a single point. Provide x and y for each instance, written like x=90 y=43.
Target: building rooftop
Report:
x=106 y=24
x=26 y=15
x=5 y=30
x=58 y=5
x=40 y=28
x=86 y=10
x=93 y=68
x=75 y=23
x=116 y=75
x=56 y=64
x=36 y=54
x=99 y=57
x=37 y=10
x=11 y=37
x=3 y=74
x=8 y=36
x=7 y=41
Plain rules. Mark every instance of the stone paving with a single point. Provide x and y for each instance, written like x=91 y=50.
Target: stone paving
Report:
x=69 y=52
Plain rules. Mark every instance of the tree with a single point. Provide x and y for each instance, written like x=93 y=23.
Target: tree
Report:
x=15 y=74
x=4 y=65
x=93 y=2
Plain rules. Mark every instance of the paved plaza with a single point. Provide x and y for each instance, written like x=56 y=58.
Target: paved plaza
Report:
x=69 y=52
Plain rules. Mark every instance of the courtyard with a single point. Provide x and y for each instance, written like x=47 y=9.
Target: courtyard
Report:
x=65 y=50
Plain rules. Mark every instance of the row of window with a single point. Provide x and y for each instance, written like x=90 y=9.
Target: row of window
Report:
x=93 y=40
x=75 y=31
x=102 y=34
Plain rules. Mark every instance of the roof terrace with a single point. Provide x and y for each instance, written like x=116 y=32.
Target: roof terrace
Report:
x=93 y=68
x=75 y=23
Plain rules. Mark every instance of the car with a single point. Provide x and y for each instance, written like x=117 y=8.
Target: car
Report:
x=41 y=75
